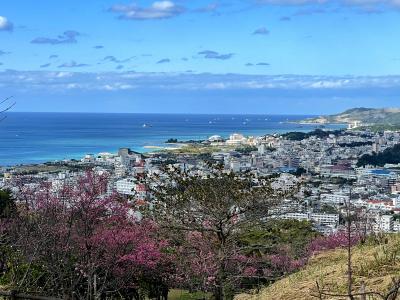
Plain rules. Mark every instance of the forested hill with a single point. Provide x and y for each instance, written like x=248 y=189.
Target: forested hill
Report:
x=370 y=116
x=388 y=156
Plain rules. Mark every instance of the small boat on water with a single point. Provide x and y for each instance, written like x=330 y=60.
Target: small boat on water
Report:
x=146 y=125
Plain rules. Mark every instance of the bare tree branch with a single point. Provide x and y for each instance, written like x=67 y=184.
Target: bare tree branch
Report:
x=350 y=218
x=5 y=106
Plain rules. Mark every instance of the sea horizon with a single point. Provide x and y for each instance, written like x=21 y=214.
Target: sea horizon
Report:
x=159 y=113
x=38 y=137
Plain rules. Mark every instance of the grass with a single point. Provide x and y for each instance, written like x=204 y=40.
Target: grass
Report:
x=375 y=264
x=186 y=295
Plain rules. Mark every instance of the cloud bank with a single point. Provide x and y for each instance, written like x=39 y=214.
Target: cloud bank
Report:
x=109 y=81
x=394 y=3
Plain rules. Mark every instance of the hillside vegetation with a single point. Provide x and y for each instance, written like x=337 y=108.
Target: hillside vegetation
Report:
x=371 y=116
x=299 y=136
x=388 y=156
x=373 y=263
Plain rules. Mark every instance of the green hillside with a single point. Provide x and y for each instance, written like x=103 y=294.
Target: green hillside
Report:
x=367 y=116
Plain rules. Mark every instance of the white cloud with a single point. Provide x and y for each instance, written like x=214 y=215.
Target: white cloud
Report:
x=62 y=74
x=117 y=86
x=5 y=24
x=158 y=10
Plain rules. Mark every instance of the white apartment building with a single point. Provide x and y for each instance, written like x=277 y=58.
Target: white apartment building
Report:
x=383 y=223
x=236 y=139
x=382 y=205
x=126 y=186
x=331 y=220
x=285 y=182
x=396 y=226
x=335 y=199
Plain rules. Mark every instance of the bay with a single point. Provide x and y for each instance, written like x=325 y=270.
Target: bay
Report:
x=40 y=137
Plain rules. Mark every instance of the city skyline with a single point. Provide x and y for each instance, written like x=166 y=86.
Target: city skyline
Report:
x=266 y=56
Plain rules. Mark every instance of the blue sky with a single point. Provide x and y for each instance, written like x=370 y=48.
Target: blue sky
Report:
x=250 y=56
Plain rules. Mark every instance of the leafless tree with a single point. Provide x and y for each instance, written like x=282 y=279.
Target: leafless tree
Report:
x=219 y=205
x=353 y=230
x=391 y=294
x=5 y=105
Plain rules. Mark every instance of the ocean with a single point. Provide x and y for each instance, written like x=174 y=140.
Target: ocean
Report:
x=40 y=137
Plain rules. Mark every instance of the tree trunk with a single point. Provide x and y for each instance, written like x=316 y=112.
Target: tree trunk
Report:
x=349 y=265
x=221 y=276
x=218 y=292
x=362 y=292
x=165 y=293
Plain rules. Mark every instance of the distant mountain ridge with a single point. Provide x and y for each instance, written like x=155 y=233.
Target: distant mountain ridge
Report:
x=365 y=116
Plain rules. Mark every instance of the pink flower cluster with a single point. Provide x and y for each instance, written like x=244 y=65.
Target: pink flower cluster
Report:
x=332 y=241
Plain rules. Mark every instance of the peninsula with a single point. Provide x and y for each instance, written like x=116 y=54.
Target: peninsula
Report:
x=382 y=118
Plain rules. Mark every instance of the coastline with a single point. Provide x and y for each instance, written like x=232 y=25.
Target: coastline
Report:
x=322 y=123
x=27 y=140
x=160 y=148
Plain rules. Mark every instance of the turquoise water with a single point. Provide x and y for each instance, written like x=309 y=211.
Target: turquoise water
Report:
x=41 y=137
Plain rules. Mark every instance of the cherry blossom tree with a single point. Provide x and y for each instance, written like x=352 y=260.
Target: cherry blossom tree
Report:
x=78 y=242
